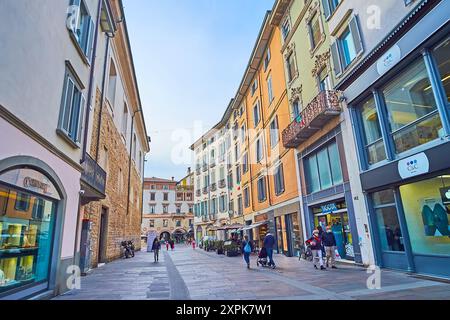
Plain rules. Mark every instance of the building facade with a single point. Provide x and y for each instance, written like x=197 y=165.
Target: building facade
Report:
x=168 y=208
x=46 y=171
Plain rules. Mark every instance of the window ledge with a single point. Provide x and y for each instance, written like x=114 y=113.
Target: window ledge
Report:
x=313 y=51
x=66 y=138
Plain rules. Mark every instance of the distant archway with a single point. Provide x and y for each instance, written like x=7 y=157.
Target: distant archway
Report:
x=164 y=235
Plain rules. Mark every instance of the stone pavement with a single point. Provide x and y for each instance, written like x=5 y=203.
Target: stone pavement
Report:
x=195 y=274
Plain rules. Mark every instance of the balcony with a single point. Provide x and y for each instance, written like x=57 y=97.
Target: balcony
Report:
x=213 y=163
x=205 y=190
x=324 y=107
x=93 y=179
x=204 y=218
x=222 y=184
x=205 y=167
x=213 y=187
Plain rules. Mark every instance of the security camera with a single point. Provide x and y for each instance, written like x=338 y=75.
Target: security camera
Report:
x=81 y=192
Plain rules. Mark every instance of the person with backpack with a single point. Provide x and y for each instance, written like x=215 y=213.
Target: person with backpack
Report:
x=315 y=242
x=156 y=246
x=329 y=242
x=269 y=242
x=247 y=249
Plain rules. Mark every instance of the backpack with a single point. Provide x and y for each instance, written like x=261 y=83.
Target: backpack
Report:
x=247 y=248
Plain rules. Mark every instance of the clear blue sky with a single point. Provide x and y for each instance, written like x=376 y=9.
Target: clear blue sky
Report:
x=190 y=56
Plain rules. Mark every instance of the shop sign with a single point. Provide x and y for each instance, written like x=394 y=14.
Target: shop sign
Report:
x=330 y=207
x=388 y=60
x=445 y=195
x=413 y=166
x=261 y=217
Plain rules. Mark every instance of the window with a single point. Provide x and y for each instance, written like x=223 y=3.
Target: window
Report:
x=442 y=57
x=205 y=181
x=165 y=196
x=213 y=207
x=237 y=152
x=240 y=207
x=104 y=158
x=152 y=208
x=245 y=163
x=165 y=208
x=165 y=223
x=230 y=180
x=315 y=34
x=279 y=180
x=267 y=59
x=231 y=206
x=112 y=81
x=178 y=210
x=412 y=111
x=262 y=189
x=295 y=109
x=125 y=120
x=191 y=209
x=134 y=146
x=22 y=202
x=222 y=203
x=246 y=197
x=254 y=86
x=152 y=223
x=243 y=133
x=291 y=66
x=259 y=150
x=269 y=89
x=323 y=169
x=347 y=46
x=83 y=27
x=285 y=29
x=329 y=6
x=324 y=80
x=72 y=110
x=256 y=115
x=374 y=143
x=178 y=223
x=152 y=196
x=274 y=136
x=238 y=175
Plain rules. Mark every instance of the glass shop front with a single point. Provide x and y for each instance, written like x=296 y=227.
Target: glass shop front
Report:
x=28 y=202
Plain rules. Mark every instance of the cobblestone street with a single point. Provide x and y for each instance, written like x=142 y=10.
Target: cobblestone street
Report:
x=185 y=274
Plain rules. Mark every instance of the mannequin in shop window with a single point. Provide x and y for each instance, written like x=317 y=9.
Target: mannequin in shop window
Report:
x=339 y=236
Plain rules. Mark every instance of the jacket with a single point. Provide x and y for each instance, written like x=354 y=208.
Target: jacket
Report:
x=156 y=245
x=269 y=241
x=317 y=245
x=244 y=243
x=328 y=239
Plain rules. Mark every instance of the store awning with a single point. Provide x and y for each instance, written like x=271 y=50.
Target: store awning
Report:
x=231 y=227
x=255 y=225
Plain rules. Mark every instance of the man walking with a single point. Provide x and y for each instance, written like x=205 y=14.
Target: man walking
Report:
x=156 y=247
x=329 y=242
x=269 y=242
x=247 y=249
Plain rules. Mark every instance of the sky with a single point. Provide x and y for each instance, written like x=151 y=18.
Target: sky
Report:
x=190 y=57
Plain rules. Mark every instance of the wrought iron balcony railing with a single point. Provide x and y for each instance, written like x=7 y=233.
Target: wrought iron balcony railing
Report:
x=94 y=176
x=318 y=112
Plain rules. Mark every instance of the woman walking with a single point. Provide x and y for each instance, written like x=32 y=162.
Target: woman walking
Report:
x=156 y=247
x=247 y=249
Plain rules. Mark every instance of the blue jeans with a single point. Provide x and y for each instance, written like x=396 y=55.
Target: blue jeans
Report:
x=270 y=256
x=247 y=257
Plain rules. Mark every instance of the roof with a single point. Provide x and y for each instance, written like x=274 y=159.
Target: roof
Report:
x=155 y=179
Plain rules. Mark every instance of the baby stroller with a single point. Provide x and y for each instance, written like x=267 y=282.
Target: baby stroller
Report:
x=262 y=258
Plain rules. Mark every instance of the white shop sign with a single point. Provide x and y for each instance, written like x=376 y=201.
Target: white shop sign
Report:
x=388 y=60
x=413 y=166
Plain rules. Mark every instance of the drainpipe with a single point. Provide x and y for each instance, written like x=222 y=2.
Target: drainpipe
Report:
x=129 y=159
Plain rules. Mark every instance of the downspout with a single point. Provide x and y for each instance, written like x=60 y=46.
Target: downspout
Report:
x=129 y=158
x=86 y=121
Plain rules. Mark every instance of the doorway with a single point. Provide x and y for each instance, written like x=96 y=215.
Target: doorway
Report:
x=103 y=234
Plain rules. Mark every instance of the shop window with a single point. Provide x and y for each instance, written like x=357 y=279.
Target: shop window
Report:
x=323 y=169
x=387 y=220
x=442 y=56
x=413 y=115
x=427 y=208
x=374 y=143
x=72 y=110
x=26 y=227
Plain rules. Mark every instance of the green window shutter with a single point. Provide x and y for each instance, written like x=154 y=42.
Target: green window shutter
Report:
x=336 y=58
x=326 y=8
x=354 y=29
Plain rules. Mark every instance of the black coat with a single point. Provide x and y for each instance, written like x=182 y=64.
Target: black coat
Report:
x=328 y=239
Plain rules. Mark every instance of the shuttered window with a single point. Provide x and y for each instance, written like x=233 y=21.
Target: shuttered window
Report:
x=279 y=180
x=82 y=26
x=261 y=189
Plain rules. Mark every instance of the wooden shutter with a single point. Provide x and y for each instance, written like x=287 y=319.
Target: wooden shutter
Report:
x=336 y=58
x=326 y=8
x=354 y=29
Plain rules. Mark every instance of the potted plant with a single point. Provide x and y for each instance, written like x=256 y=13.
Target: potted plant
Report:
x=219 y=246
x=231 y=248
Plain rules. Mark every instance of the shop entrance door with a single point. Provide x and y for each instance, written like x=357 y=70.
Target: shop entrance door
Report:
x=103 y=236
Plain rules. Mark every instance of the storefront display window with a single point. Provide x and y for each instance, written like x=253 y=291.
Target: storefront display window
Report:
x=387 y=219
x=26 y=226
x=427 y=210
x=442 y=56
x=374 y=143
x=413 y=115
x=296 y=234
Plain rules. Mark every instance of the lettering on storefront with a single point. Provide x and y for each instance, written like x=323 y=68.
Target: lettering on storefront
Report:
x=414 y=166
x=388 y=60
x=330 y=207
x=29 y=182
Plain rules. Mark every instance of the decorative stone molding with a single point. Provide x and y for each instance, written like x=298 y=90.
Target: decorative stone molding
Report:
x=322 y=61
x=290 y=49
x=312 y=11
x=296 y=94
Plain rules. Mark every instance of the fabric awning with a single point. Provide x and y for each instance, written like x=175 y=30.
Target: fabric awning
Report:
x=255 y=225
x=230 y=227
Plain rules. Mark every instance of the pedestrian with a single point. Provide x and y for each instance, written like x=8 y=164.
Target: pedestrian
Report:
x=193 y=244
x=321 y=233
x=167 y=245
x=247 y=249
x=156 y=246
x=316 y=248
x=329 y=243
x=269 y=242
x=172 y=244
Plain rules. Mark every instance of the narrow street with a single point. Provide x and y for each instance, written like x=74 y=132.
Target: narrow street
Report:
x=185 y=274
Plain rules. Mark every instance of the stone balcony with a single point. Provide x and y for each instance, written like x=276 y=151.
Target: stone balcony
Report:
x=205 y=190
x=222 y=184
x=213 y=187
x=324 y=107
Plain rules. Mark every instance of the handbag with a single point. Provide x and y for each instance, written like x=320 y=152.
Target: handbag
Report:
x=247 y=248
